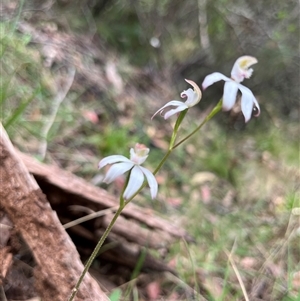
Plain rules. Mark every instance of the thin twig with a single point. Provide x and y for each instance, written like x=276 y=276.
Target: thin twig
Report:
x=180 y=282
x=238 y=275
x=89 y=217
x=56 y=104
x=203 y=29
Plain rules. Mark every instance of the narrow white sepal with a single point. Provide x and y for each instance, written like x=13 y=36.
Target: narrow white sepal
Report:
x=112 y=159
x=116 y=170
x=247 y=102
x=229 y=95
x=135 y=182
x=175 y=103
x=172 y=112
x=213 y=78
x=257 y=106
x=151 y=181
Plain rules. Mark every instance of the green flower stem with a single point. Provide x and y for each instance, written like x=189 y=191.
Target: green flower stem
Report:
x=214 y=111
x=123 y=203
x=163 y=160
x=95 y=252
x=176 y=127
x=172 y=141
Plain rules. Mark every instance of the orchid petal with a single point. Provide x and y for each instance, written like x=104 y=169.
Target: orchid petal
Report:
x=192 y=97
x=117 y=170
x=229 y=95
x=136 y=158
x=240 y=69
x=257 y=106
x=170 y=103
x=140 y=149
x=197 y=92
x=135 y=182
x=189 y=94
x=172 y=112
x=112 y=159
x=212 y=78
x=247 y=102
x=151 y=181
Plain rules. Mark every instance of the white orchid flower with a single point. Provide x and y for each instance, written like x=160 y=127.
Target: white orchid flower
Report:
x=239 y=71
x=121 y=164
x=193 y=97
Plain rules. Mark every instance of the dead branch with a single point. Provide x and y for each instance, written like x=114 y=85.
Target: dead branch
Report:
x=58 y=265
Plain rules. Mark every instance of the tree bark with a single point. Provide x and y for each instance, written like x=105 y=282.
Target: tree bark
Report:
x=58 y=265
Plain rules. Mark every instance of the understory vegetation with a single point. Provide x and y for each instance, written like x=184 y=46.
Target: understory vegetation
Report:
x=233 y=186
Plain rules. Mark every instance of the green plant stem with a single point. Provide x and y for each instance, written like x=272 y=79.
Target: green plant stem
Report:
x=172 y=141
x=95 y=252
x=213 y=112
x=123 y=203
x=176 y=128
x=163 y=160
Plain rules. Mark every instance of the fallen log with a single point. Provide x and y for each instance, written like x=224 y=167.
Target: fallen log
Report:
x=62 y=187
x=71 y=197
x=58 y=265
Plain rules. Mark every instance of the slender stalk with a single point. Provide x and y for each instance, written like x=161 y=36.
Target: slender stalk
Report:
x=176 y=128
x=163 y=160
x=95 y=252
x=172 y=141
x=214 y=111
x=123 y=203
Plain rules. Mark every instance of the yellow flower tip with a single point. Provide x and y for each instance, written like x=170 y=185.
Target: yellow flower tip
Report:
x=246 y=61
x=241 y=69
x=196 y=88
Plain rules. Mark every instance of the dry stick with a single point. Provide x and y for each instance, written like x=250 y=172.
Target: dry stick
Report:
x=89 y=217
x=238 y=275
x=58 y=265
x=203 y=29
x=56 y=104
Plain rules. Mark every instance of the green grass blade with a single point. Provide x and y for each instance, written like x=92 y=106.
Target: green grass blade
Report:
x=115 y=295
x=21 y=109
x=15 y=23
x=136 y=271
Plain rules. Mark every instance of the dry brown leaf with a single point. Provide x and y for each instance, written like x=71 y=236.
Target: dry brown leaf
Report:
x=202 y=177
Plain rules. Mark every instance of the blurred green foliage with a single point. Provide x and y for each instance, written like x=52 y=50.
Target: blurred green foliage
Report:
x=113 y=140
x=115 y=295
x=20 y=78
